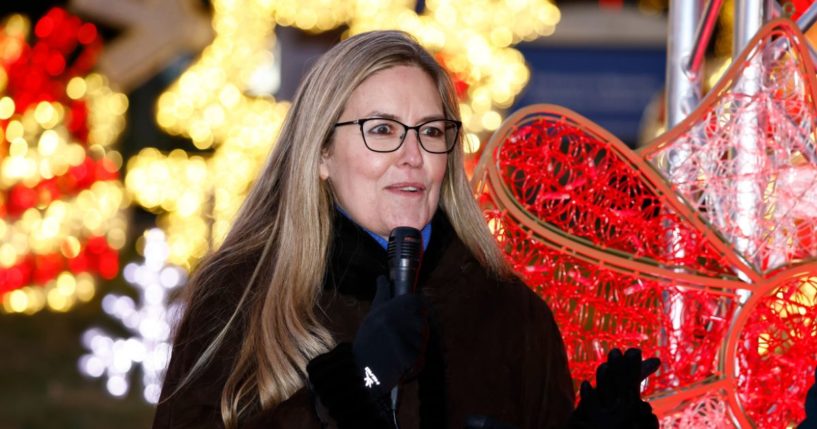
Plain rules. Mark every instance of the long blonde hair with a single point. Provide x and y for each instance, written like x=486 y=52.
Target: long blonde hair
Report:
x=284 y=227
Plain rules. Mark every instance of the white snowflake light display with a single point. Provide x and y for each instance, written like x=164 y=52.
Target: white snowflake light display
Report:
x=149 y=318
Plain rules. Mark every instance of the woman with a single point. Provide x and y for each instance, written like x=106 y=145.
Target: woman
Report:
x=290 y=323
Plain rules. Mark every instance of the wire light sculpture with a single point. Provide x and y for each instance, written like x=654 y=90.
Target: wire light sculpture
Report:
x=651 y=249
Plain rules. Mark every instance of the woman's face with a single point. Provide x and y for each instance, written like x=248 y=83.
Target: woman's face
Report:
x=381 y=191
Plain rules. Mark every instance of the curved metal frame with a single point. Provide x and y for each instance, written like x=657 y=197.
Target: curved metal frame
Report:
x=760 y=284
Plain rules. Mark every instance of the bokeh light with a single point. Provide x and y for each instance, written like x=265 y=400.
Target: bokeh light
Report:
x=215 y=103
x=148 y=318
x=61 y=201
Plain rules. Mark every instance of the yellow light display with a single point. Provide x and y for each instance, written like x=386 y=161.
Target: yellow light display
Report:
x=210 y=104
x=58 y=295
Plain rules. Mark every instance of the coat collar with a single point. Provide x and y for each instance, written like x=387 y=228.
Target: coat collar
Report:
x=356 y=259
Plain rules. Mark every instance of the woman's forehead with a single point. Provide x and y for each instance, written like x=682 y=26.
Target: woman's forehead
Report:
x=396 y=92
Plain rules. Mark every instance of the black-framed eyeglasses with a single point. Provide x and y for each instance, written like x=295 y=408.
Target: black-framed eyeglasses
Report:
x=384 y=135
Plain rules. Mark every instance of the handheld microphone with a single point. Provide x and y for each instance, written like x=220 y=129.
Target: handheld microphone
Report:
x=405 y=253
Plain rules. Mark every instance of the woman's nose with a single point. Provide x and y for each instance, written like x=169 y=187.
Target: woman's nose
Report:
x=411 y=152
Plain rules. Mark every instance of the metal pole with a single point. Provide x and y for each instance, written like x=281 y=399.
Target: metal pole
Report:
x=683 y=95
x=703 y=34
x=747 y=160
x=808 y=17
x=748 y=20
x=805 y=21
x=683 y=89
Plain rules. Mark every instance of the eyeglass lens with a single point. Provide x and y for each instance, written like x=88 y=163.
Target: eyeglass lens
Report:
x=386 y=135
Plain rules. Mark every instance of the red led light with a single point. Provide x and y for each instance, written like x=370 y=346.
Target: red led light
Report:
x=63 y=47
x=652 y=249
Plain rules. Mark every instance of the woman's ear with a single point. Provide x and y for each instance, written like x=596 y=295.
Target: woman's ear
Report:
x=323 y=168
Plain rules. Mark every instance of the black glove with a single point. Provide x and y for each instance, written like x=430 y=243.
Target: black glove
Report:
x=811 y=407
x=616 y=402
x=485 y=422
x=390 y=343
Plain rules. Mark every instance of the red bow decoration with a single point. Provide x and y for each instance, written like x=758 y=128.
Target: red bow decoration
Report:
x=701 y=249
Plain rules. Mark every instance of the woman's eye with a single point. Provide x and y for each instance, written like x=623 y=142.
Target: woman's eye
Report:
x=382 y=129
x=432 y=132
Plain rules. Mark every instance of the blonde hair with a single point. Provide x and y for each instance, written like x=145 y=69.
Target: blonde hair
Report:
x=284 y=228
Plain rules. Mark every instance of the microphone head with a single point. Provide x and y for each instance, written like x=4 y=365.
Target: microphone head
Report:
x=405 y=252
x=405 y=242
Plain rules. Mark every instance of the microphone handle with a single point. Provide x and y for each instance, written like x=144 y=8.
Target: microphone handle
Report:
x=403 y=276
x=394 y=393
x=405 y=252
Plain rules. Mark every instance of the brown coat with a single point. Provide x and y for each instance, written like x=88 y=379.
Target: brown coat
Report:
x=498 y=351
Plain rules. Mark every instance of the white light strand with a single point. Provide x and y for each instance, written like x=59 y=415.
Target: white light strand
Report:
x=150 y=319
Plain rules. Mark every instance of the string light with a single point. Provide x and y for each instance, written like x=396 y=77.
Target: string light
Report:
x=214 y=105
x=61 y=202
x=149 y=320
x=734 y=330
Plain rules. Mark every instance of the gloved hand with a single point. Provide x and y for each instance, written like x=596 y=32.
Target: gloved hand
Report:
x=811 y=407
x=391 y=342
x=485 y=422
x=616 y=402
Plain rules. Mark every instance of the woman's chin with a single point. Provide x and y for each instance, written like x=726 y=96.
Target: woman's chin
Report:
x=417 y=222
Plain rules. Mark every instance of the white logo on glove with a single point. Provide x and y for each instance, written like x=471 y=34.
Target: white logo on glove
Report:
x=370 y=379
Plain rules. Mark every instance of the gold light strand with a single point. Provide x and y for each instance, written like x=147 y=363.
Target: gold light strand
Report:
x=39 y=142
x=95 y=211
x=58 y=295
x=473 y=38
x=179 y=186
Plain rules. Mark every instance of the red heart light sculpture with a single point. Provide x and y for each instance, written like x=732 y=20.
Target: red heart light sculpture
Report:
x=701 y=249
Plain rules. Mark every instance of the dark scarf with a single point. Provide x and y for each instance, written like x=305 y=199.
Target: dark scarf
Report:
x=357 y=259
x=356 y=262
